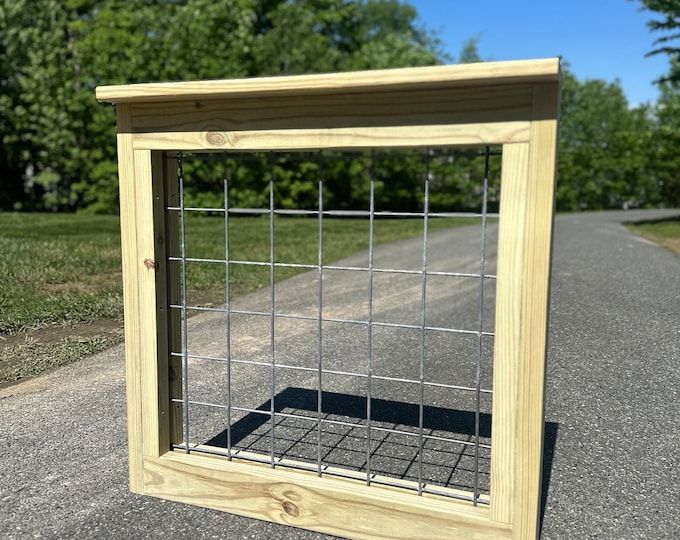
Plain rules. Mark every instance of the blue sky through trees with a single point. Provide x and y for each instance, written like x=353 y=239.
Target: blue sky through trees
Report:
x=605 y=39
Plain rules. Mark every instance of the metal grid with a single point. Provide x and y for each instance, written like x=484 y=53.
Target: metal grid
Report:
x=318 y=421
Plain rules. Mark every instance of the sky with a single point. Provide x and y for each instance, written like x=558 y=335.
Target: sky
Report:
x=603 y=39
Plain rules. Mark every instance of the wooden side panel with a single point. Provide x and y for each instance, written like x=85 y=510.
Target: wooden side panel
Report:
x=382 y=481
x=159 y=330
x=334 y=506
x=467 y=116
x=536 y=260
x=509 y=284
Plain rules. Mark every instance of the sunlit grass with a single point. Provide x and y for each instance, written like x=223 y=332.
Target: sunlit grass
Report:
x=65 y=268
x=665 y=232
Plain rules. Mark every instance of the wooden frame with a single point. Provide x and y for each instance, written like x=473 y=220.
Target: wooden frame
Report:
x=513 y=104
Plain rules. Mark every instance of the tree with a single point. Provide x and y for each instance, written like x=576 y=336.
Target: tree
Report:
x=36 y=87
x=11 y=188
x=58 y=148
x=669 y=24
x=469 y=53
x=665 y=143
x=604 y=148
x=665 y=139
x=58 y=142
x=307 y=36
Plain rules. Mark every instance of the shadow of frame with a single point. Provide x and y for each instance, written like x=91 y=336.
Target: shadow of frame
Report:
x=460 y=422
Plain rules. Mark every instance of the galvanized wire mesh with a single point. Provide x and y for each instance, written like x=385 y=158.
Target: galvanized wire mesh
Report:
x=319 y=417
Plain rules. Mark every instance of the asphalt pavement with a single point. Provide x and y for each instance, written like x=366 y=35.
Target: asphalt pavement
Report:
x=612 y=465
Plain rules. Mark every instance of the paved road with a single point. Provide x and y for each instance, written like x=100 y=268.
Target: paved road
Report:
x=612 y=395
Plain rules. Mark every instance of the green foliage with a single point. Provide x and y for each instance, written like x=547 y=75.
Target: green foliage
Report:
x=455 y=180
x=58 y=143
x=36 y=98
x=665 y=138
x=615 y=156
x=669 y=25
x=604 y=159
x=665 y=232
x=469 y=52
x=665 y=143
x=309 y=36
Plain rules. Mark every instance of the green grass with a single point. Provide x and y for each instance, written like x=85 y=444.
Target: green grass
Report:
x=665 y=232
x=34 y=357
x=61 y=294
x=60 y=269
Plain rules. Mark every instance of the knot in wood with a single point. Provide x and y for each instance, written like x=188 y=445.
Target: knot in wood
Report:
x=216 y=138
x=291 y=509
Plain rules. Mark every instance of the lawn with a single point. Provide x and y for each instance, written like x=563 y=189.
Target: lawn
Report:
x=61 y=292
x=665 y=232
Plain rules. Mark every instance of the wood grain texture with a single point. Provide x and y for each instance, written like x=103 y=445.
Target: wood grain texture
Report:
x=404 y=78
x=393 y=484
x=341 y=138
x=446 y=106
x=128 y=238
x=508 y=325
x=147 y=305
x=330 y=505
x=537 y=252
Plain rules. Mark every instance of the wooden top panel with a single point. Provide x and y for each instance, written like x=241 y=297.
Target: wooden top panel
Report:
x=521 y=71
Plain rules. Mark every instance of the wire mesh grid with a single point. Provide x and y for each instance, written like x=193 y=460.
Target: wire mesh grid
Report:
x=401 y=443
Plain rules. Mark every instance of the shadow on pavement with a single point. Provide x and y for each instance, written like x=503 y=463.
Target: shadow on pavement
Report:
x=454 y=469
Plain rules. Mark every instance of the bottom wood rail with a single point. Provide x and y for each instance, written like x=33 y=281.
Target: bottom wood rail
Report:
x=336 y=506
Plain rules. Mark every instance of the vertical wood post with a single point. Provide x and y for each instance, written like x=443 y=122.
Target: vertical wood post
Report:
x=508 y=327
x=522 y=298
x=535 y=306
x=129 y=254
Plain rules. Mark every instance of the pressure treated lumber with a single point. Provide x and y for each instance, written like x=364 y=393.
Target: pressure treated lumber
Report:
x=527 y=71
x=535 y=303
x=334 y=506
x=386 y=482
x=401 y=108
x=341 y=138
x=130 y=255
x=513 y=104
